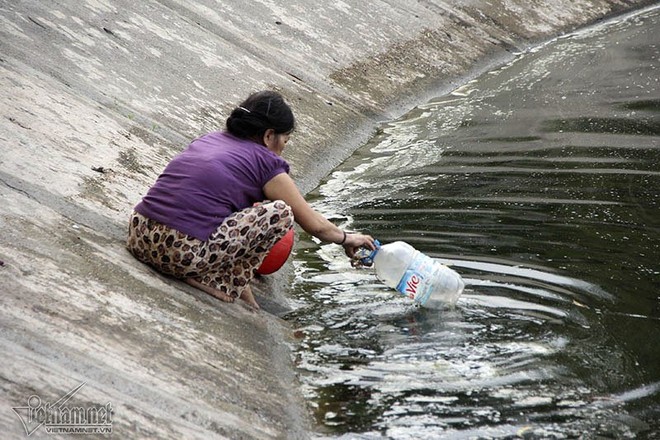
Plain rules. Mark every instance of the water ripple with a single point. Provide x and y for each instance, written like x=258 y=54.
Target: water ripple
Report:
x=539 y=184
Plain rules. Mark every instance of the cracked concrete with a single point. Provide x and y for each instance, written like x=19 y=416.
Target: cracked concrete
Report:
x=97 y=95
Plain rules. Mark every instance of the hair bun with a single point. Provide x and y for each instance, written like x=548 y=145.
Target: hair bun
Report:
x=259 y=112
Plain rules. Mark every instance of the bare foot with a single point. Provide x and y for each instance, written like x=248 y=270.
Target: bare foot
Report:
x=210 y=290
x=248 y=297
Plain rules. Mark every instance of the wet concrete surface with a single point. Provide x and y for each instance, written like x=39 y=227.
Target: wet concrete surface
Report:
x=96 y=96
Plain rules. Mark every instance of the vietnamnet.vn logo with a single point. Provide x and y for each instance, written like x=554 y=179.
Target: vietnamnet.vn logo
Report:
x=59 y=418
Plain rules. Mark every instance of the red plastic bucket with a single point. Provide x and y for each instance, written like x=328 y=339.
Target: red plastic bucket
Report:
x=277 y=255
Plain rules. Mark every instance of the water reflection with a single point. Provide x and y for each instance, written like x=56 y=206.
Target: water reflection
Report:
x=539 y=183
x=605 y=125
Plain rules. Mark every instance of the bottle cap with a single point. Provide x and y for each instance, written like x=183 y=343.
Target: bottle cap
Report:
x=366 y=256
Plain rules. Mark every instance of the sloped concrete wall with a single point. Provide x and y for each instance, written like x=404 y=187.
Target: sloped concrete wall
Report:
x=97 y=95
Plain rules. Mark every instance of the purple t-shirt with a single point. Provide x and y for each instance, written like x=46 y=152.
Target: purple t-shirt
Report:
x=217 y=175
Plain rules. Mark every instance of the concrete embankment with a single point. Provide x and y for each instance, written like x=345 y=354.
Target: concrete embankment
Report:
x=97 y=95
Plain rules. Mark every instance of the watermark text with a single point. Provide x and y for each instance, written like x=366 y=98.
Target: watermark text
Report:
x=59 y=418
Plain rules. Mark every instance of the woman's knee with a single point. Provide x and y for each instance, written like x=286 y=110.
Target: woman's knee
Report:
x=282 y=214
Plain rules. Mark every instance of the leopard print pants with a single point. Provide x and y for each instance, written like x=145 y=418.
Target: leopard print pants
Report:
x=227 y=261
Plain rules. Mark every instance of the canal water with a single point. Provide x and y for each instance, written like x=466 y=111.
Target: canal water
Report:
x=539 y=183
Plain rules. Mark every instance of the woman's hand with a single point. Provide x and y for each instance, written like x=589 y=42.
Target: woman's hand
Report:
x=356 y=241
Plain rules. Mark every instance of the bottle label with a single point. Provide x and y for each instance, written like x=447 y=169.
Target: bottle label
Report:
x=415 y=281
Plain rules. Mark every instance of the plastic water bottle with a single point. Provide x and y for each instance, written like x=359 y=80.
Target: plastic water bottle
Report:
x=415 y=275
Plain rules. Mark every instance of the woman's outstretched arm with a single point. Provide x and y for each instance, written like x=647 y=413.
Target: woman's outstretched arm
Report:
x=282 y=187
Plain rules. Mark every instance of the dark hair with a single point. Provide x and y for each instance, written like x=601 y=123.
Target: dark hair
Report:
x=259 y=112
